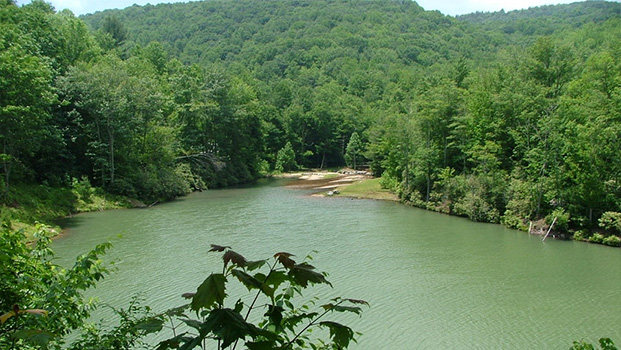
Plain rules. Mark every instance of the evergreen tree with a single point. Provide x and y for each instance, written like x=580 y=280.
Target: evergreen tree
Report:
x=354 y=150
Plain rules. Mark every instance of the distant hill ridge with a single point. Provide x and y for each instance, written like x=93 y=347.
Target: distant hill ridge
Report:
x=226 y=31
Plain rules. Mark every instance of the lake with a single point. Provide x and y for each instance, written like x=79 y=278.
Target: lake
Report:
x=433 y=281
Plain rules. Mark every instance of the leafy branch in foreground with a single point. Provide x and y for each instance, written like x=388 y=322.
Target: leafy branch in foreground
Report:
x=604 y=343
x=272 y=285
x=40 y=302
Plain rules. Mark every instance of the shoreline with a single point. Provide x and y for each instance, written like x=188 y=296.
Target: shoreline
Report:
x=345 y=183
x=360 y=186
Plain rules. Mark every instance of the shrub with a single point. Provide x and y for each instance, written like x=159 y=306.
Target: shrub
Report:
x=41 y=302
x=285 y=159
x=82 y=188
x=611 y=221
x=562 y=219
x=604 y=343
x=388 y=182
x=612 y=241
x=511 y=220
x=596 y=238
x=580 y=235
x=272 y=285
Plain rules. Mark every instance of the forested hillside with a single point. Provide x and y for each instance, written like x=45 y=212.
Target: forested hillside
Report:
x=503 y=117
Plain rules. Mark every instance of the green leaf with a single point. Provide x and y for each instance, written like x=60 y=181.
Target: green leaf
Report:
x=274 y=280
x=357 y=301
x=172 y=343
x=191 y=343
x=193 y=323
x=37 y=337
x=247 y=280
x=177 y=311
x=341 y=335
x=253 y=265
x=304 y=273
x=354 y=309
x=239 y=305
x=151 y=326
x=274 y=313
x=229 y=326
x=210 y=292
x=261 y=345
x=293 y=321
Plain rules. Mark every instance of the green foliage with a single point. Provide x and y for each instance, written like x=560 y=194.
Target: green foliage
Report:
x=30 y=281
x=43 y=303
x=113 y=26
x=612 y=240
x=604 y=344
x=522 y=106
x=596 y=238
x=562 y=219
x=135 y=323
x=278 y=322
x=354 y=151
x=611 y=221
x=285 y=159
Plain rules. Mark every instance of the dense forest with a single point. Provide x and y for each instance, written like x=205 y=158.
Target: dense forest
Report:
x=500 y=117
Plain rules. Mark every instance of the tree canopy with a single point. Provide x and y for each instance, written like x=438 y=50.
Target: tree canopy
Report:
x=501 y=117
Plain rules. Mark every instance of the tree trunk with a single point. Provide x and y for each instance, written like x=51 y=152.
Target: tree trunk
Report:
x=111 y=150
x=428 y=187
x=6 y=165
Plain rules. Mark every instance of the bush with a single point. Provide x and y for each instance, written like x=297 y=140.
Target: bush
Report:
x=41 y=302
x=580 y=235
x=611 y=221
x=82 y=188
x=511 y=220
x=278 y=324
x=388 y=182
x=562 y=219
x=596 y=238
x=285 y=159
x=477 y=209
x=184 y=171
x=521 y=203
x=612 y=241
x=604 y=343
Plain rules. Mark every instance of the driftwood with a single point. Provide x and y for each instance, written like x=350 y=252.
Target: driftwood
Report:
x=550 y=229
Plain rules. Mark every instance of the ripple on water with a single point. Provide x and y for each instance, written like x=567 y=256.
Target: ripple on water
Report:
x=433 y=281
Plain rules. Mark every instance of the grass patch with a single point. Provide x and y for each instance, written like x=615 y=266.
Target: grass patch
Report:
x=28 y=205
x=370 y=189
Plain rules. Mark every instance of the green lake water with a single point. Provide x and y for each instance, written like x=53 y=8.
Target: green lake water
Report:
x=433 y=281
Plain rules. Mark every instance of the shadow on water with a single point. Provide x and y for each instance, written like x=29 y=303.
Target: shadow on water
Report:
x=70 y=222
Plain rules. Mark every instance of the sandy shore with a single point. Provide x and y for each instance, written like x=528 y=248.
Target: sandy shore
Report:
x=325 y=181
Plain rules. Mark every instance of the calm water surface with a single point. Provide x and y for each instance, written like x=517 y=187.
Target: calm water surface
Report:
x=433 y=281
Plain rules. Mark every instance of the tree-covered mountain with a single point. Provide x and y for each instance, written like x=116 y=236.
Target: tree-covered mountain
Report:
x=502 y=117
